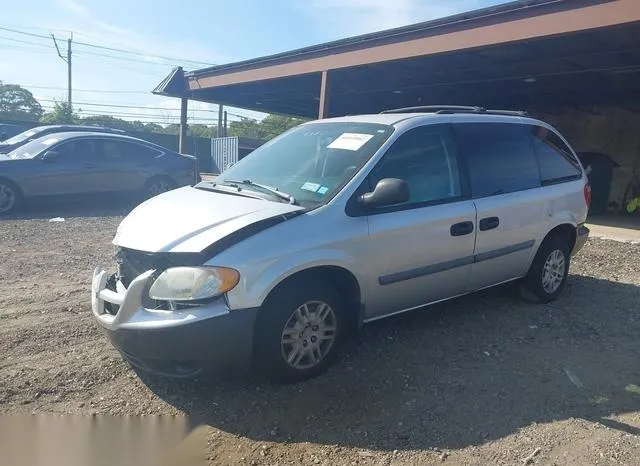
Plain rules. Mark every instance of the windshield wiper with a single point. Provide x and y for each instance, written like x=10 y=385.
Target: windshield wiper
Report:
x=232 y=189
x=282 y=195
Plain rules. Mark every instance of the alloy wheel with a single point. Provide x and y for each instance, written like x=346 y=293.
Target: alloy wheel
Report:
x=308 y=335
x=553 y=271
x=7 y=198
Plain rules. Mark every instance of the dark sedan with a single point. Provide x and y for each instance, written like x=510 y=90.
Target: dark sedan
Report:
x=34 y=133
x=73 y=164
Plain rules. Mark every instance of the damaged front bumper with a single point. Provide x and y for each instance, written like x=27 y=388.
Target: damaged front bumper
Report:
x=174 y=343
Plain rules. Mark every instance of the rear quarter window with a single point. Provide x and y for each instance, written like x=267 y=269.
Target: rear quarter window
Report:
x=499 y=157
x=555 y=160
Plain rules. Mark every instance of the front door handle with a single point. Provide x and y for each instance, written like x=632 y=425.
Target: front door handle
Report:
x=90 y=165
x=489 y=223
x=462 y=228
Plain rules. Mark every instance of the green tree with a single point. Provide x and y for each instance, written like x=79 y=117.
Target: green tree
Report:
x=17 y=103
x=108 y=121
x=274 y=125
x=270 y=127
x=62 y=114
x=246 y=127
x=173 y=128
x=202 y=131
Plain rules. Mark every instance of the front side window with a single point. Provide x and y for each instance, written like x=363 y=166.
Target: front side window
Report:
x=499 y=156
x=310 y=162
x=423 y=157
x=555 y=159
x=77 y=151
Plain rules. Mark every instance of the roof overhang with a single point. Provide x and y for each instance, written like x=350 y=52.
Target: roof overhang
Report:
x=516 y=54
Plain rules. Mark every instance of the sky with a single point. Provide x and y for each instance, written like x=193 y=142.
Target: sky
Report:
x=153 y=36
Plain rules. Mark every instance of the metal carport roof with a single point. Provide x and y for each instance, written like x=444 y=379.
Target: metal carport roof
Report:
x=523 y=54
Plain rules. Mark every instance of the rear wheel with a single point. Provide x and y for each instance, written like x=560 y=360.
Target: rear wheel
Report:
x=299 y=331
x=548 y=273
x=10 y=197
x=158 y=185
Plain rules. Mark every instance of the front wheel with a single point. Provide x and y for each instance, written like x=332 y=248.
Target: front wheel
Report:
x=299 y=331
x=10 y=197
x=548 y=273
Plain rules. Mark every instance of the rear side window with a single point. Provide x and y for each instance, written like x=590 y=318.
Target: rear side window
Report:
x=111 y=150
x=139 y=152
x=499 y=156
x=556 y=162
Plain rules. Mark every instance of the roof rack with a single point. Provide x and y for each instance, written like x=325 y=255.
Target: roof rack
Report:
x=449 y=109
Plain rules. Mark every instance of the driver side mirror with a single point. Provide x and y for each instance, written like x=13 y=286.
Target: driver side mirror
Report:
x=388 y=191
x=50 y=155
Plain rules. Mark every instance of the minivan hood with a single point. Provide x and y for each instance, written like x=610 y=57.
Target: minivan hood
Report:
x=191 y=220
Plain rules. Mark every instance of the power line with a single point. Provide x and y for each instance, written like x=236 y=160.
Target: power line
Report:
x=155 y=74
x=84 y=52
x=113 y=49
x=36 y=28
x=23 y=49
x=25 y=42
x=139 y=106
x=101 y=104
x=106 y=91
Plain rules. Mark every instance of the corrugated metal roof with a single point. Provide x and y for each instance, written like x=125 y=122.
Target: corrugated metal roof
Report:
x=389 y=35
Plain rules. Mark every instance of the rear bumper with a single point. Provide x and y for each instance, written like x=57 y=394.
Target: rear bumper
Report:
x=173 y=343
x=582 y=235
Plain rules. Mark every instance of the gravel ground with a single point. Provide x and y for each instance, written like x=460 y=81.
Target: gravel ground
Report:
x=484 y=379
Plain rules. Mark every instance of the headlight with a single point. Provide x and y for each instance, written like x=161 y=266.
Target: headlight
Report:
x=193 y=283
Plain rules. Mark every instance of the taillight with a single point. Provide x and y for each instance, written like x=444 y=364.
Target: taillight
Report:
x=587 y=194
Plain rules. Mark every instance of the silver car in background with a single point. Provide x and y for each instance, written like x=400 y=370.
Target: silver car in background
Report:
x=337 y=223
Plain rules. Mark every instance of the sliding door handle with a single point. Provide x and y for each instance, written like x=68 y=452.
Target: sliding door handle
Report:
x=461 y=229
x=489 y=223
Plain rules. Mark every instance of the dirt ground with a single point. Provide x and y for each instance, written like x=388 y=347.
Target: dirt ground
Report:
x=485 y=379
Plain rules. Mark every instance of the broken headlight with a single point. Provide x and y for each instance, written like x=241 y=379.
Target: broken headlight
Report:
x=193 y=283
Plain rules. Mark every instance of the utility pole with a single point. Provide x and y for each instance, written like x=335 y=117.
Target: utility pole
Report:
x=224 y=131
x=69 y=100
x=219 y=120
x=68 y=62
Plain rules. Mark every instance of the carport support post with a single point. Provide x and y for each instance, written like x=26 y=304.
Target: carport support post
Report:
x=183 y=126
x=323 y=110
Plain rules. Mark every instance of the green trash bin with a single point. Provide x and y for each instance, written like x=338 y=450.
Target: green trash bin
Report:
x=600 y=177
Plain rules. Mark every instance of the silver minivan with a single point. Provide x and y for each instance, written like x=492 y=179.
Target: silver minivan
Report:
x=337 y=223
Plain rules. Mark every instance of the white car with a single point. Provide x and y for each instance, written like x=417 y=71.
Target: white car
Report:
x=337 y=223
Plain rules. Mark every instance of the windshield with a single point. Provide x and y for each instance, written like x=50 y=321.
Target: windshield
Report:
x=310 y=162
x=33 y=148
x=21 y=137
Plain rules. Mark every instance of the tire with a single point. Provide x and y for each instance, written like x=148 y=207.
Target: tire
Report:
x=291 y=327
x=10 y=197
x=157 y=185
x=547 y=275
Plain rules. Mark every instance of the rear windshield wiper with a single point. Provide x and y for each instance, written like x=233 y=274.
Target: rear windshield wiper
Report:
x=282 y=195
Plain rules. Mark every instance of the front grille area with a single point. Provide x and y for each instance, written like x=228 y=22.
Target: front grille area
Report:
x=131 y=263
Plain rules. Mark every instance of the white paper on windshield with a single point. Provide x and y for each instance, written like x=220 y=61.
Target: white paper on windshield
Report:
x=350 y=141
x=313 y=187
x=48 y=142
